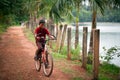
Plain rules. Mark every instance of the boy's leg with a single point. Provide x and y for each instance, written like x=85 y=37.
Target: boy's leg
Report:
x=35 y=57
x=37 y=53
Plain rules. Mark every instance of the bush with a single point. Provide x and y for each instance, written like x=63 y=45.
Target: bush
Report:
x=111 y=52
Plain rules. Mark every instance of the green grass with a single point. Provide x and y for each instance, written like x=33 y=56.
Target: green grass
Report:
x=109 y=69
x=58 y=56
x=29 y=34
x=106 y=71
x=3 y=28
x=75 y=53
x=77 y=78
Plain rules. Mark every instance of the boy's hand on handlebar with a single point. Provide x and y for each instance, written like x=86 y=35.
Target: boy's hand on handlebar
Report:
x=38 y=38
x=52 y=37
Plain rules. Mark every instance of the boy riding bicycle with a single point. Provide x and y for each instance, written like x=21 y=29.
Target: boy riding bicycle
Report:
x=40 y=36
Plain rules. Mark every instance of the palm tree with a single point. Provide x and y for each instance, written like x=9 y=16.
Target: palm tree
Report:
x=78 y=4
x=59 y=11
x=100 y=5
x=64 y=8
x=96 y=5
x=37 y=8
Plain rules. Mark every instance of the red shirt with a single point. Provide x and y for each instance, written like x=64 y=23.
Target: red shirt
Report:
x=42 y=32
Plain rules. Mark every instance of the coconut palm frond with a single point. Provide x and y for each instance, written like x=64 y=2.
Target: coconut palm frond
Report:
x=69 y=17
x=61 y=8
x=98 y=5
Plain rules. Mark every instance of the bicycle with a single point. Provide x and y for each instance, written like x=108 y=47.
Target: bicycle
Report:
x=47 y=64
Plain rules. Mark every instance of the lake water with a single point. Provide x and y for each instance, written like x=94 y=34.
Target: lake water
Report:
x=109 y=36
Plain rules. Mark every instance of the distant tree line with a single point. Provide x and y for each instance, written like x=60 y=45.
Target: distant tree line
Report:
x=110 y=15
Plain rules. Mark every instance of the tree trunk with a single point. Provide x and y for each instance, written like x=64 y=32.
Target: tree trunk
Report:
x=76 y=35
x=77 y=27
x=90 y=52
x=93 y=27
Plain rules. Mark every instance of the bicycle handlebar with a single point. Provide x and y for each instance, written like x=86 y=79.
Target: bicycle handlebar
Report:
x=51 y=39
x=48 y=38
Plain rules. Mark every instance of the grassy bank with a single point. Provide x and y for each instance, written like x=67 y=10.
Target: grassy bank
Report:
x=106 y=71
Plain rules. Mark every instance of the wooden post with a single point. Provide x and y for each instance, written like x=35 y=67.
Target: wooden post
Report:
x=27 y=24
x=96 y=33
x=59 y=38
x=63 y=36
x=51 y=32
x=53 y=29
x=69 y=44
x=84 y=48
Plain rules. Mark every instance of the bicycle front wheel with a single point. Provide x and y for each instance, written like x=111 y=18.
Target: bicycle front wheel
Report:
x=48 y=65
x=38 y=65
x=38 y=61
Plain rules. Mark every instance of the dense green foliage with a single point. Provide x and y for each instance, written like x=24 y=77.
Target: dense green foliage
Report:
x=11 y=11
x=16 y=11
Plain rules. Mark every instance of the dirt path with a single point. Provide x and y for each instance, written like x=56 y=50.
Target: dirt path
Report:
x=16 y=58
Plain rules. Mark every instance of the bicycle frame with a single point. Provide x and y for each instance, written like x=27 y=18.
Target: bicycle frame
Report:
x=44 y=54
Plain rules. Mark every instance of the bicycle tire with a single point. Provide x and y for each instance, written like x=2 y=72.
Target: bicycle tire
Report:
x=38 y=62
x=48 y=71
x=38 y=65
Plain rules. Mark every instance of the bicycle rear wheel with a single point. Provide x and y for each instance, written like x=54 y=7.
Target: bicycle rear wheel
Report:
x=48 y=65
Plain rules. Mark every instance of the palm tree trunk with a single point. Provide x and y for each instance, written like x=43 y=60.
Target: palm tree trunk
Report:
x=93 y=27
x=77 y=35
x=91 y=37
x=77 y=28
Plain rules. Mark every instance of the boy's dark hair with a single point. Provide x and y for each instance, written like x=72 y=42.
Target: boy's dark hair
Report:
x=41 y=21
